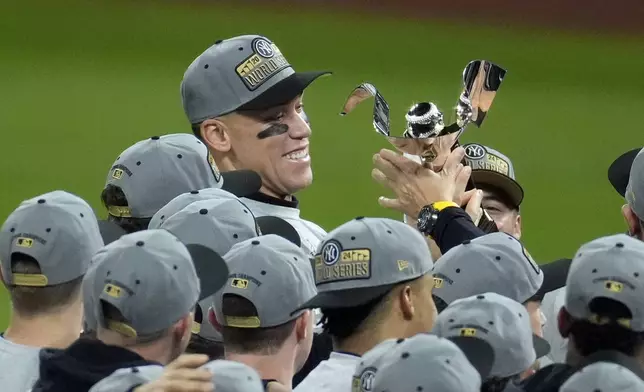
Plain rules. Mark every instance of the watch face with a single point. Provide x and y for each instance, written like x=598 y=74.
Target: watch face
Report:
x=427 y=219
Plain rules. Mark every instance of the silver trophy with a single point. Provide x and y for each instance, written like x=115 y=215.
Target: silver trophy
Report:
x=426 y=136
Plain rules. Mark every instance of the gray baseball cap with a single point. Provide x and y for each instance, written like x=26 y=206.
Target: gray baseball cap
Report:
x=184 y=200
x=500 y=321
x=156 y=170
x=151 y=264
x=429 y=363
x=635 y=188
x=274 y=275
x=247 y=72
x=603 y=377
x=607 y=267
x=363 y=259
x=496 y=262
x=219 y=223
x=490 y=167
x=57 y=229
x=369 y=364
x=228 y=376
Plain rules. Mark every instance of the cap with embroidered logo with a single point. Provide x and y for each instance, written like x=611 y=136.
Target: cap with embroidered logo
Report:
x=154 y=171
x=130 y=271
x=495 y=262
x=247 y=72
x=608 y=267
x=273 y=274
x=490 y=167
x=362 y=260
x=500 y=321
x=426 y=362
x=58 y=230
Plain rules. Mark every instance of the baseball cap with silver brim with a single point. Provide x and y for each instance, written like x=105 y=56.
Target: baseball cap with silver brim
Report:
x=490 y=167
x=247 y=72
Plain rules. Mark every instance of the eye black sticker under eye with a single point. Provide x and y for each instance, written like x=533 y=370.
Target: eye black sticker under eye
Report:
x=273 y=130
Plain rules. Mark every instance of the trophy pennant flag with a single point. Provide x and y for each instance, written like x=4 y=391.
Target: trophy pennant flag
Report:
x=426 y=136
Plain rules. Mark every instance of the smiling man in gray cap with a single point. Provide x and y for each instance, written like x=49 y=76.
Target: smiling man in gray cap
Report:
x=257 y=310
x=150 y=173
x=244 y=101
x=46 y=246
x=141 y=290
x=369 y=289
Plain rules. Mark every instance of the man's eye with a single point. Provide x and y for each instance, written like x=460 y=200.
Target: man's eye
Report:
x=274 y=118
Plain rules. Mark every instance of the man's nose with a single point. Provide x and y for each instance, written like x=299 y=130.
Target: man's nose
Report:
x=298 y=128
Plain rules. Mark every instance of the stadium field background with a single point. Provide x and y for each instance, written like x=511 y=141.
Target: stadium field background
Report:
x=81 y=81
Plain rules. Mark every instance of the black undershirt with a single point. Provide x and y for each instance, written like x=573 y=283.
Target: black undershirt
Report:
x=263 y=198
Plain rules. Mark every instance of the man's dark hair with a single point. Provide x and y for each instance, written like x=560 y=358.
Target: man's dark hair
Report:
x=590 y=338
x=500 y=195
x=342 y=323
x=265 y=341
x=196 y=129
x=33 y=301
x=199 y=345
x=440 y=304
x=497 y=384
x=114 y=196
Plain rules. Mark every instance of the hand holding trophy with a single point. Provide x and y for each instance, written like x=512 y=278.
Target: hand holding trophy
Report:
x=429 y=171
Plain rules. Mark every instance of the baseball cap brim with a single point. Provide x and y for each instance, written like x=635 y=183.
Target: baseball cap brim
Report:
x=541 y=346
x=280 y=227
x=283 y=91
x=554 y=277
x=498 y=180
x=478 y=352
x=345 y=298
x=620 y=171
x=110 y=231
x=211 y=269
x=241 y=183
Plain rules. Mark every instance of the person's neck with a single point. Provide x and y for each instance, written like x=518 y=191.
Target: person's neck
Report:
x=360 y=343
x=156 y=351
x=55 y=330
x=268 y=192
x=279 y=367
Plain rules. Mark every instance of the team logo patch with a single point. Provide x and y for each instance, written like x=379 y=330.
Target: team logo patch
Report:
x=366 y=379
x=438 y=283
x=613 y=286
x=24 y=242
x=264 y=63
x=263 y=48
x=402 y=265
x=331 y=253
x=239 y=283
x=335 y=264
x=475 y=151
x=470 y=332
x=113 y=290
x=117 y=174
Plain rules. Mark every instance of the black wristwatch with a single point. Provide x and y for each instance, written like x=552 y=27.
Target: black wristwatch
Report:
x=428 y=216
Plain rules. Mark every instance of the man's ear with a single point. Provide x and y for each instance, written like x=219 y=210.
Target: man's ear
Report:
x=517 y=226
x=633 y=221
x=302 y=326
x=215 y=134
x=183 y=327
x=406 y=303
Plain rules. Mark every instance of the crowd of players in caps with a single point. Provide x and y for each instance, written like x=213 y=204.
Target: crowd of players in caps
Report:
x=205 y=277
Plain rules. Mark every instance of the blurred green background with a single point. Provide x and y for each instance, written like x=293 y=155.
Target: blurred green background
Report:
x=81 y=81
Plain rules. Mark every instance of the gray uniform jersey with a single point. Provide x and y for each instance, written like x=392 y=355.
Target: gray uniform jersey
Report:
x=19 y=366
